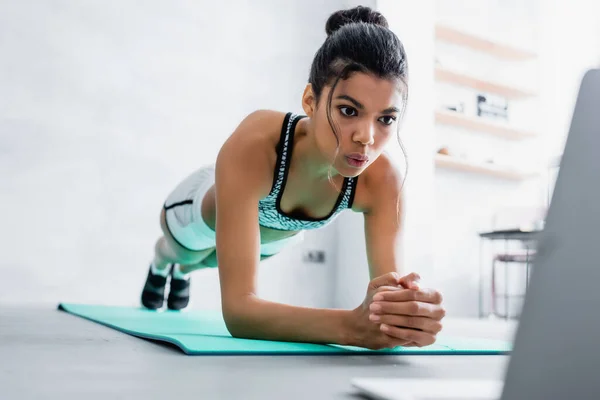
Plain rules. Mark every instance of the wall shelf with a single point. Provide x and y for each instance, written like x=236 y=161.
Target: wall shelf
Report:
x=448 y=76
x=481 y=125
x=455 y=163
x=456 y=36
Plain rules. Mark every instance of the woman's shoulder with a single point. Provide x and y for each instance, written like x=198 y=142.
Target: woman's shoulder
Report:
x=383 y=178
x=259 y=128
x=252 y=147
x=384 y=169
x=264 y=118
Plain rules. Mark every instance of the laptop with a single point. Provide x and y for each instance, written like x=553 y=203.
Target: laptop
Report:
x=556 y=349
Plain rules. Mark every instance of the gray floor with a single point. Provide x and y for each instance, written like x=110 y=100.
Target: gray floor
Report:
x=48 y=354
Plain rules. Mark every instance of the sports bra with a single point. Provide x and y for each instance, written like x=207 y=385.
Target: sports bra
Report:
x=270 y=214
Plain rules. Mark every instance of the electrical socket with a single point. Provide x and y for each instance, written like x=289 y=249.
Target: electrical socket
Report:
x=314 y=256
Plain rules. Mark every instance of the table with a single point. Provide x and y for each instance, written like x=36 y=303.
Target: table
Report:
x=511 y=234
x=527 y=237
x=47 y=354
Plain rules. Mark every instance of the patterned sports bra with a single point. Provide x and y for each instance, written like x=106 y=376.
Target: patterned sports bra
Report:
x=270 y=214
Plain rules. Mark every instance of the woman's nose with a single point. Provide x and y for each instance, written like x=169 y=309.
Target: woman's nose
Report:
x=365 y=134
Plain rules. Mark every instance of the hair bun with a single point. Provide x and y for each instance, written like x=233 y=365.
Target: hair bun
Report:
x=353 y=15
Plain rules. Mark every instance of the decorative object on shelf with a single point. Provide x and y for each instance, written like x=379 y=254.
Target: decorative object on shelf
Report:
x=444 y=151
x=492 y=106
x=459 y=107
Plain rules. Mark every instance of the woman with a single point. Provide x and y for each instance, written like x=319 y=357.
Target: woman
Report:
x=279 y=174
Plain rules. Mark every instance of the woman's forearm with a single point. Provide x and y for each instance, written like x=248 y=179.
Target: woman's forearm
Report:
x=255 y=318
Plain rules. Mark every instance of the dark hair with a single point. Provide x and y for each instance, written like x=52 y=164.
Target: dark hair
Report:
x=358 y=40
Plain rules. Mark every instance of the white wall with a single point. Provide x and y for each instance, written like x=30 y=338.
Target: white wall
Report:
x=105 y=105
x=570 y=45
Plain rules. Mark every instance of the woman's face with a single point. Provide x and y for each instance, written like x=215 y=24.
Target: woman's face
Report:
x=365 y=112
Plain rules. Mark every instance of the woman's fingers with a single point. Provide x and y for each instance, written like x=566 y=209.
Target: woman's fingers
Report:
x=424 y=295
x=419 y=338
x=410 y=281
x=411 y=308
x=394 y=342
x=421 y=323
x=389 y=289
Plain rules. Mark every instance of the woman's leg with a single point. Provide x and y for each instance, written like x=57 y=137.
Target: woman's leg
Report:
x=168 y=251
x=209 y=262
x=163 y=254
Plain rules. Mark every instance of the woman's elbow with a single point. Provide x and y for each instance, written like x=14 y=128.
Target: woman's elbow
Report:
x=234 y=325
x=237 y=320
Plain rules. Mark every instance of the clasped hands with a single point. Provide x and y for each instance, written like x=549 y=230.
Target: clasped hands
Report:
x=398 y=312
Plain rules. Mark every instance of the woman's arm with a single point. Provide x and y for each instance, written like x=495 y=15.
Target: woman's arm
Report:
x=244 y=175
x=411 y=314
x=382 y=209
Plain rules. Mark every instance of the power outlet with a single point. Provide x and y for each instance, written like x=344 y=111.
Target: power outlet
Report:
x=314 y=256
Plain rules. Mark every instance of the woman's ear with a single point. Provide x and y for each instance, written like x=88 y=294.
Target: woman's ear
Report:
x=309 y=102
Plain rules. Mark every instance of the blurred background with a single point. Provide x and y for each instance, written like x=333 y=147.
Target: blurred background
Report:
x=106 y=105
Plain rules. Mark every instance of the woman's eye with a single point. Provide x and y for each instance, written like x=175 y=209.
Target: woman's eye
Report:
x=387 y=120
x=348 y=111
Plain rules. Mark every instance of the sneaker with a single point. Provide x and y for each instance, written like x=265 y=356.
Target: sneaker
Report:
x=179 y=293
x=153 y=294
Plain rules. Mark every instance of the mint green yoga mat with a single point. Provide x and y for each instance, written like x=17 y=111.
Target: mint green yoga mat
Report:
x=204 y=333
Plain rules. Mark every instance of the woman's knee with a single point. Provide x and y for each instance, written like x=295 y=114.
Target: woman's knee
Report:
x=175 y=251
x=179 y=255
x=165 y=251
x=211 y=260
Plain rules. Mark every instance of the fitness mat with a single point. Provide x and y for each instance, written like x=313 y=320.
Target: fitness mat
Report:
x=199 y=332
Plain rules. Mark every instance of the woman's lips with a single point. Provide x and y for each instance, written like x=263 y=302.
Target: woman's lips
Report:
x=357 y=160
